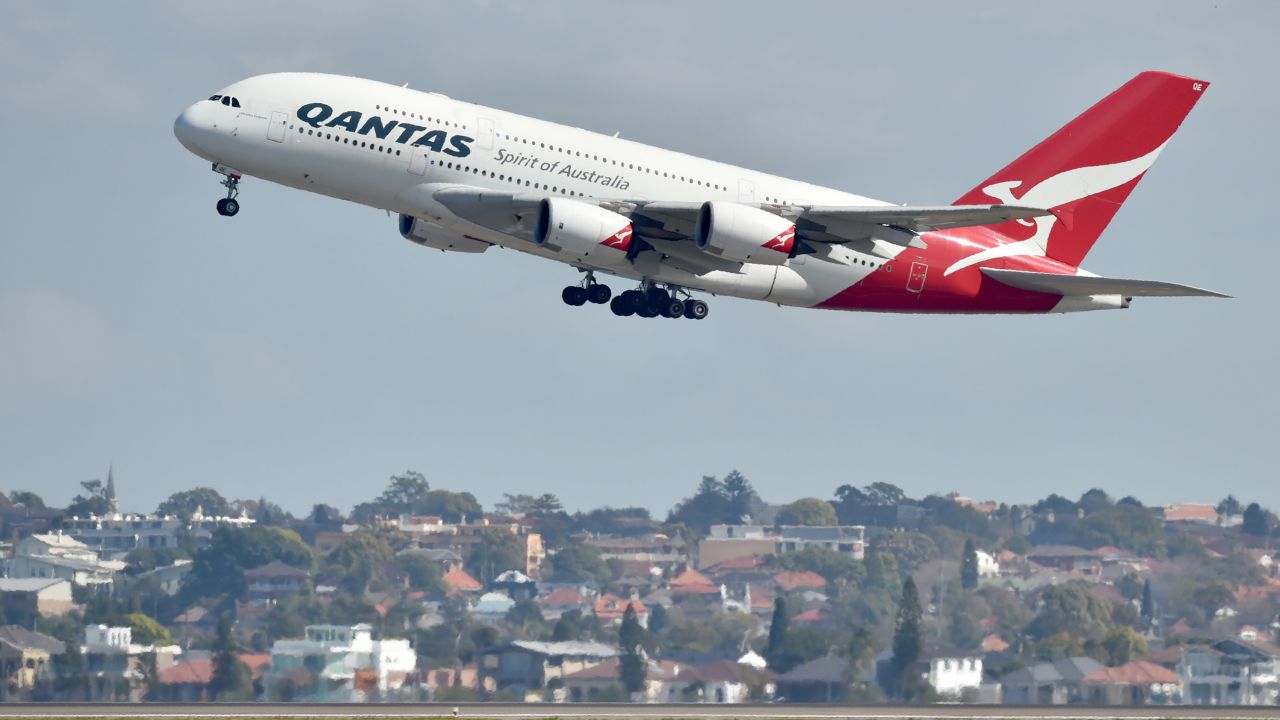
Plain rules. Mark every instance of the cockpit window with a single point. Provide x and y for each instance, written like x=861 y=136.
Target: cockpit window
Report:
x=226 y=100
x=216 y=98
x=235 y=102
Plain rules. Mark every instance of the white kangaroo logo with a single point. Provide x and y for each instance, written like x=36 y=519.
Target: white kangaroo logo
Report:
x=1055 y=191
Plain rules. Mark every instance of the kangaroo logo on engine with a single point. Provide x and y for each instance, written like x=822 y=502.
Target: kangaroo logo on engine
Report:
x=353 y=121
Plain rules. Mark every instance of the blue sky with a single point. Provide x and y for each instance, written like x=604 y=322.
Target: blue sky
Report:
x=305 y=352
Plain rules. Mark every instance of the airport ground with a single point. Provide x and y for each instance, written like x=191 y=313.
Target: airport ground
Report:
x=480 y=711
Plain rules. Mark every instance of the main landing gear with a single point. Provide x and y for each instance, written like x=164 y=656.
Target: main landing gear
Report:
x=228 y=206
x=647 y=301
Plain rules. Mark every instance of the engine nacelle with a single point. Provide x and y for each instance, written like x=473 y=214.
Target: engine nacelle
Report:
x=433 y=236
x=744 y=233
x=586 y=233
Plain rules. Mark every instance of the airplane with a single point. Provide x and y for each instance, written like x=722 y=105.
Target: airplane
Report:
x=463 y=178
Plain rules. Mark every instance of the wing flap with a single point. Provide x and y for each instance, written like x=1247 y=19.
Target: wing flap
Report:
x=1068 y=285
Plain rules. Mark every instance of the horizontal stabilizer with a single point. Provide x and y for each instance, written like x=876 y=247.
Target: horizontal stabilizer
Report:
x=1068 y=285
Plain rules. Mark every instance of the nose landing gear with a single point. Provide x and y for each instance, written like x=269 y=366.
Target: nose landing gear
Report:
x=228 y=206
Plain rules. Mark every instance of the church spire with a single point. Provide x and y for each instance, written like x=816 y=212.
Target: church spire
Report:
x=111 y=491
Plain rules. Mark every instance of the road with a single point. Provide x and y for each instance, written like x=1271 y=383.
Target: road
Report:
x=39 y=711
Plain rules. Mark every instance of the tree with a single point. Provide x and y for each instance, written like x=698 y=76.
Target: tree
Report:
x=969 y=566
x=424 y=573
x=27 y=499
x=147 y=631
x=908 y=642
x=832 y=565
x=807 y=511
x=499 y=550
x=1148 y=610
x=232 y=679
x=1127 y=527
x=1229 y=506
x=708 y=506
x=778 y=626
x=1256 y=522
x=184 y=504
x=1094 y=501
x=93 y=501
x=739 y=494
x=1071 y=608
x=544 y=504
x=219 y=568
x=451 y=506
x=1122 y=644
x=358 y=560
x=326 y=516
x=632 y=669
x=582 y=561
x=658 y=619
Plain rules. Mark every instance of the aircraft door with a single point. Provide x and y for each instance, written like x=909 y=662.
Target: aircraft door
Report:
x=419 y=158
x=275 y=129
x=915 y=278
x=746 y=191
x=484 y=132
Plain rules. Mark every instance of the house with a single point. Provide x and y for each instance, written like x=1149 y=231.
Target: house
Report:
x=525 y=665
x=169 y=577
x=462 y=538
x=447 y=560
x=988 y=565
x=790 y=580
x=728 y=681
x=821 y=680
x=692 y=582
x=114 y=535
x=654 y=549
x=273 y=582
x=847 y=540
x=29 y=597
x=729 y=542
x=665 y=681
x=562 y=600
x=27 y=663
x=343 y=663
x=460 y=581
x=188 y=680
x=1230 y=672
x=953 y=674
x=113 y=663
x=1191 y=513
x=463 y=676
x=1066 y=558
x=515 y=585
x=1049 y=683
x=57 y=555
x=610 y=609
x=1135 y=683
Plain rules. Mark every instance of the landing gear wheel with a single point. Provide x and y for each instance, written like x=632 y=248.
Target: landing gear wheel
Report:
x=599 y=294
x=621 y=306
x=657 y=296
x=574 y=295
x=673 y=308
x=696 y=309
x=635 y=299
x=228 y=207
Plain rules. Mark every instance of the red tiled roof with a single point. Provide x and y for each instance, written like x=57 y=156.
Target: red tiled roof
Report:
x=460 y=579
x=188 y=672
x=994 y=643
x=791 y=580
x=1138 y=672
x=810 y=615
x=611 y=606
x=1191 y=512
x=562 y=596
x=692 y=581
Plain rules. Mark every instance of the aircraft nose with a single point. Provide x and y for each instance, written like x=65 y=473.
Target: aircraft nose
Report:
x=191 y=125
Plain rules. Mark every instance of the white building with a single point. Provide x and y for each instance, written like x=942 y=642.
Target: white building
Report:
x=988 y=566
x=113 y=662
x=337 y=653
x=57 y=555
x=953 y=675
x=116 y=534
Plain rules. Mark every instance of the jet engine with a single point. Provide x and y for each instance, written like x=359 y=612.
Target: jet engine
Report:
x=744 y=233
x=586 y=233
x=433 y=236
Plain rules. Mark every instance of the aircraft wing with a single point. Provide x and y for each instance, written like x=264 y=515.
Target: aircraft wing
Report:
x=923 y=218
x=1089 y=285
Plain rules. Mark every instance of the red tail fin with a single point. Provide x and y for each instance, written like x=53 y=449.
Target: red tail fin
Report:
x=1087 y=169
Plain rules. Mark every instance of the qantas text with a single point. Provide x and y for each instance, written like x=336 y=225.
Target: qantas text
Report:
x=316 y=113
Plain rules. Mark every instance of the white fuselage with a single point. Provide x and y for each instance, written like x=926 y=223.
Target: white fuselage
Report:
x=391 y=147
